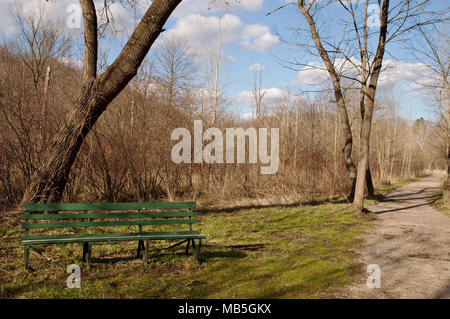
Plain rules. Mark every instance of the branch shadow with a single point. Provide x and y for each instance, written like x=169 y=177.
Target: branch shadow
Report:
x=334 y=200
x=444 y=293
x=398 y=209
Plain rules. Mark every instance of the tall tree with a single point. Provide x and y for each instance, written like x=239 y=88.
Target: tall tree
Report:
x=333 y=72
x=433 y=51
x=355 y=38
x=258 y=90
x=368 y=101
x=96 y=93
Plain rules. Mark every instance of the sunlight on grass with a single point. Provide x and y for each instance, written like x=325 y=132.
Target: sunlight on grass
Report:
x=300 y=252
x=437 y=201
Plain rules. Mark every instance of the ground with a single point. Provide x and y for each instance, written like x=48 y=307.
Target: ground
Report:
x=308 y=250
x=410 y=243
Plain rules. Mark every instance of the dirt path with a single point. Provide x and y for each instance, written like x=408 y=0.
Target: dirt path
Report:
x=410 y=243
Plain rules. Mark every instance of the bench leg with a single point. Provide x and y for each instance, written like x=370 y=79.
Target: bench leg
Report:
x=27 y=251
x=85 y=250
x=89 y=256
x=187 y=246
x=140 y=246
x=146 y=251
x=195 y=249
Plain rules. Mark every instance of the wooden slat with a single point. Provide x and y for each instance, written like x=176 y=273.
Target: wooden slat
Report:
x=75 y=238
x=108 y=223
x=106 y=206
x=95 y=235
x=108 y=215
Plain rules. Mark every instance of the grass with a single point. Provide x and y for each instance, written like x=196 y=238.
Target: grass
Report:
x=279 y=252
x=437 y=201
x=300 y=252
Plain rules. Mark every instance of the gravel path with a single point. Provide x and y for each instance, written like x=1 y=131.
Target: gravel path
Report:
x=410 y=243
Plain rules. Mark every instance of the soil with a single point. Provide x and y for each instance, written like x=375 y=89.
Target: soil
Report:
x=410 y=243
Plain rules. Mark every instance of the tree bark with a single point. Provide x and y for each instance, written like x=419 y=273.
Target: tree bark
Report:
x=448 y=165
x=49 y=181
x=369 y=183
x=369 y=186
x=363 y=164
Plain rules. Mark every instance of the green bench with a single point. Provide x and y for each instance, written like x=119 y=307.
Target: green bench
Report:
x=87 y=223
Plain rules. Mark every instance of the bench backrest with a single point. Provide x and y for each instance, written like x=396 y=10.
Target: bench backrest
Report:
x=39 y=216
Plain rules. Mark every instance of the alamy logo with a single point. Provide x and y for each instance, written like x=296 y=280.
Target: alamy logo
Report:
x=373 y=20
x=74 y=18
x=213 y=151
x=374 y=279
x=74 y=279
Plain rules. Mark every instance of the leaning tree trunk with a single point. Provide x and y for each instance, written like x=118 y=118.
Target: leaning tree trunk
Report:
x=349 y=164
x=340 y=102
x=49 y=181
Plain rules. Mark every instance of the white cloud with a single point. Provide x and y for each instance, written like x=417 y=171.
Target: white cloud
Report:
x=312 y=74
x=58 y=11
x=256 y=67
x=412 y=75
x=200 y=30
x=247 y=116
x=272 y=96
x=55 y=11
x=396 y=71
x=72 y=62
x=253 y=5
x=257 y=37
x=187 y=7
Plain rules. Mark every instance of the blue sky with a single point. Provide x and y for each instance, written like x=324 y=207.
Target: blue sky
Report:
x=248 y=37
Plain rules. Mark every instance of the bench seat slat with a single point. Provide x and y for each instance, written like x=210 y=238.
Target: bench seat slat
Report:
x=106 y=206
x=109 y=223
x=77 y=238
x=109 y=215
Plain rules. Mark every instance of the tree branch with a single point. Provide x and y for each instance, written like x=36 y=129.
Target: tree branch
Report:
x=90 y=40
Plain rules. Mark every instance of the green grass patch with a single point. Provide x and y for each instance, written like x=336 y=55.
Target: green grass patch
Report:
x=437 y=200
x=296 y=252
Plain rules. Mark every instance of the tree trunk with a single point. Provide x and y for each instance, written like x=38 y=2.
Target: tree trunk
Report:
x=369 y=183
x=448 y=165
x=49 y=181
x=446 y=187
x=363 y=164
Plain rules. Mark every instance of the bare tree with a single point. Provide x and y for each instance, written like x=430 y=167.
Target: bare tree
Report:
x=434 y=53
x=333 y=71
x=258 y=90
x=39 y=40
x=96 y=93
x=367 y=39
x=174 y=69
x=400 y=18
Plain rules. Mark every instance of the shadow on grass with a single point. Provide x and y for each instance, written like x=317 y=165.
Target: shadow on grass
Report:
x=207 y=252
x=333 y=200
x=111 y=260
